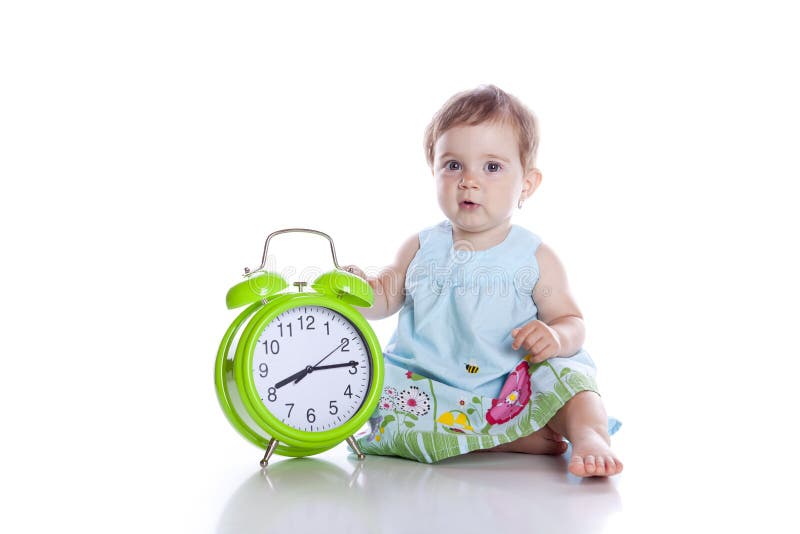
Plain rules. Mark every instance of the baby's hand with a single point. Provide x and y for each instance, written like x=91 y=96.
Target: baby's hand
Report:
x=353 y=269
x=539 y=339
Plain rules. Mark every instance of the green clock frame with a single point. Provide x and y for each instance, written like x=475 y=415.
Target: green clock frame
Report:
x=235 y=386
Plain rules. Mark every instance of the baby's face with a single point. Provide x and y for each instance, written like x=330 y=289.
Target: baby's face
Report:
x=479 y=176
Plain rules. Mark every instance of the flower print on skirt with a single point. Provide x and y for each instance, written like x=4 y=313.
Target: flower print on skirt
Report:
x=426 y=420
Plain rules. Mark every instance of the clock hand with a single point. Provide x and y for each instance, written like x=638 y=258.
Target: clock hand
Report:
x=351 y=363
x=344 y=341
x=298 y=376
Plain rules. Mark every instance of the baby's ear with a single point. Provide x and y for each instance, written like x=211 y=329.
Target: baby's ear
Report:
x=531 y=180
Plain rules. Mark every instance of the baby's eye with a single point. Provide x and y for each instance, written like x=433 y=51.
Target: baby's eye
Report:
x=492 y=166
x=453 y=166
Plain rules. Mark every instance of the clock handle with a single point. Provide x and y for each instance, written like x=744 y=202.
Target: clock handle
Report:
x=248 y=272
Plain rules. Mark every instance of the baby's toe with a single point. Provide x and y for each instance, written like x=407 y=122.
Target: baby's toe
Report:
x=576 y=466
x=589 y=464
x=600 y=466
x=559 y=448
x=617 y=466
x=611 y=466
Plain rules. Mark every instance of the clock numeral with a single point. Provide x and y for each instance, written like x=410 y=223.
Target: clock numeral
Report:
x=290 y=405
x=272 y=394
x=345 y=342
x=309 y=324
x=272 y=347
x=352 y=370
x=310 y=417
x=263 y=370
x=334 y=410
x=327 y=328
x=348 y=392
x=288 y=326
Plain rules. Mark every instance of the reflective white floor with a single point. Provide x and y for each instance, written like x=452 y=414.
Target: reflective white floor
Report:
x=335 y=492
x=390 y=495
x=493 y=492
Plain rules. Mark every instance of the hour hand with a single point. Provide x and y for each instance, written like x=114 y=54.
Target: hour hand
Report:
x=297 y=377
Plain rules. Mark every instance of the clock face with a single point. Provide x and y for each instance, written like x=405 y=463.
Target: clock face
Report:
x=312 y=368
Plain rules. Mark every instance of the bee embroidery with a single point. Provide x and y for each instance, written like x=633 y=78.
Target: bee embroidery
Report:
x=472 y=367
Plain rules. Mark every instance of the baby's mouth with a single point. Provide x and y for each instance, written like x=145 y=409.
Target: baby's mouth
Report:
x=469 y=204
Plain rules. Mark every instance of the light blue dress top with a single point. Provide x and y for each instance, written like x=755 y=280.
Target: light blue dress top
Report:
x=461 y=306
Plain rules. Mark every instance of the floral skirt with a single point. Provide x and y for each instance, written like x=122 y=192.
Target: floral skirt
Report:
x=427 y=421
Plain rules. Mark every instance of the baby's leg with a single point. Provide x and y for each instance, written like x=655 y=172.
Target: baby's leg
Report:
x=584 y=422
x=543 y=441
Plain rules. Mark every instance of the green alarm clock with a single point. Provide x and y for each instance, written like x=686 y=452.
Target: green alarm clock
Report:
x=297 y=371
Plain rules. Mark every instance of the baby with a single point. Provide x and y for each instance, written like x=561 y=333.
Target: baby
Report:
x=487 y=352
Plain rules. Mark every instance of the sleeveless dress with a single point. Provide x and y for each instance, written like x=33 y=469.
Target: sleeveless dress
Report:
x=453 y=384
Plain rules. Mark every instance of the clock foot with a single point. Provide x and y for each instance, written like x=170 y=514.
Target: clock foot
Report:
x=353 y=445
x=273 y=443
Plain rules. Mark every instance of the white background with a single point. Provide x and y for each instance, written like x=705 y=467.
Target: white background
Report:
x=148 y=148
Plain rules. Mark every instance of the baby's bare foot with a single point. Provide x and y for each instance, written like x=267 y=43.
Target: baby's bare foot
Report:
x=592 y=457
x=543 y=441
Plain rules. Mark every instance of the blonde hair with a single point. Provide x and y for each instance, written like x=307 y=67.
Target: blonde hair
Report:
x=482 y=104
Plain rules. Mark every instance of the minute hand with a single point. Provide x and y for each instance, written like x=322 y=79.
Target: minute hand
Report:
x=351 y=363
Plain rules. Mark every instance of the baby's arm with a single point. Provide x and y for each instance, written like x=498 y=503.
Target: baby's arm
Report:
x=559 y=331
x=389 y=285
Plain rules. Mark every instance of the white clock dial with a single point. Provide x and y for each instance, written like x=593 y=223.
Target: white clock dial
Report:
x=312 y=368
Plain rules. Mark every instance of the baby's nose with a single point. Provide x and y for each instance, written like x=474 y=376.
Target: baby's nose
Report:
x=468 y=181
